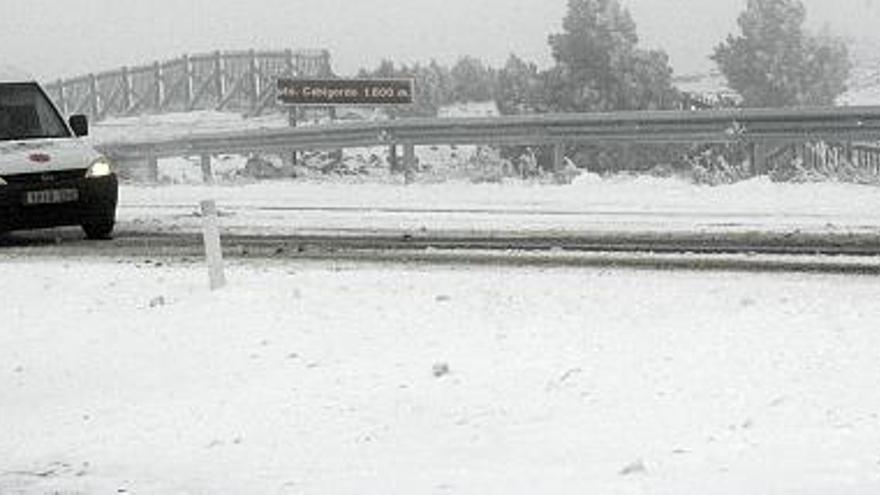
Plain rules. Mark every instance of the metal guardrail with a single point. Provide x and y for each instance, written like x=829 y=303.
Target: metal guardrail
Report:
x=717 y=126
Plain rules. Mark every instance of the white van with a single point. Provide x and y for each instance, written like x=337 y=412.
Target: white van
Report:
x=49 y=176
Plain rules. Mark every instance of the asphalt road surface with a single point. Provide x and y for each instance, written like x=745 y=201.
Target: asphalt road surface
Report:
x=843 y=253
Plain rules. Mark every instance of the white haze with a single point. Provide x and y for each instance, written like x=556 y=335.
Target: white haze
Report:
x=56 y=38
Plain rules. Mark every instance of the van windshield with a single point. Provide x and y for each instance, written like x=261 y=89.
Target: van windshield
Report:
x=25 y=113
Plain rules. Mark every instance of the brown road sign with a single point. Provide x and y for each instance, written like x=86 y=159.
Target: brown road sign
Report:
x=328 y=92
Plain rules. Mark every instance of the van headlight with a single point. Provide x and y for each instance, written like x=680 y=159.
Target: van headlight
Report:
x=99 y=168
x=2 y=182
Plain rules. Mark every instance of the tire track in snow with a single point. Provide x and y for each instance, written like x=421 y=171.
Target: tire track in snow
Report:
x=844 y=253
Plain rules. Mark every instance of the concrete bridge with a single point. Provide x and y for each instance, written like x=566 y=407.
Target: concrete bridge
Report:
x=238 y=81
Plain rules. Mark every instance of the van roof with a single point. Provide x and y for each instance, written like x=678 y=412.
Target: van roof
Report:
x=9 y=74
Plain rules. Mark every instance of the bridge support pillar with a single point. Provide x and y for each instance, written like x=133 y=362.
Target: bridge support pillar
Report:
x=207 y=173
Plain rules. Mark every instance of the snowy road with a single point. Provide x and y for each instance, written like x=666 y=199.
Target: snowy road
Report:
x=340 y=377
x=301 y=218
x=843 y=254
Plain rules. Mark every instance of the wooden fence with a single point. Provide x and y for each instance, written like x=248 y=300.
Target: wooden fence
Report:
x=241 y=81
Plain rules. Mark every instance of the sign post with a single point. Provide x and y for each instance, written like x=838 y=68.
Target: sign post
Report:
x=292 y=122
x=333 y=93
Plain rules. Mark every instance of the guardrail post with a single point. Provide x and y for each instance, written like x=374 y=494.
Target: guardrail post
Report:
x=152 y=169
x=758 y=158
x=392 y=158
x=207 y=173
x=558 y=157
x=409 y=163
x=338 y=154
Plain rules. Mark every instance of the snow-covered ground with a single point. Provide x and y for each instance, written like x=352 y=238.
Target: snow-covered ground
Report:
x=340 y=378
x=589 y=204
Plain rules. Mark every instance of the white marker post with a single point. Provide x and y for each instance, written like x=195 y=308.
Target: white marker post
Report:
x=213 y=252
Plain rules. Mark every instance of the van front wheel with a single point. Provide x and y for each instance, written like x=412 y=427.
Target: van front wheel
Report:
x=99 y=230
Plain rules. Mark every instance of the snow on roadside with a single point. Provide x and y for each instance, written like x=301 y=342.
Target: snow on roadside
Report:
x=591 y=203
x=323 y=378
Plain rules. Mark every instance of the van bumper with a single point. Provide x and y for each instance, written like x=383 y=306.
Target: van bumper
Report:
x=95 y=203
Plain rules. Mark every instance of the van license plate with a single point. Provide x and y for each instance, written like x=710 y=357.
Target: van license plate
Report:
x=51 y=196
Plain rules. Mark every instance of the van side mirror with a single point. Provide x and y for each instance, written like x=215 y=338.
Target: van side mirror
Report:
x=80 y=125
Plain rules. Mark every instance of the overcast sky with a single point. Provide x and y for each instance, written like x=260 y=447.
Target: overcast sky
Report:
x=54 y=38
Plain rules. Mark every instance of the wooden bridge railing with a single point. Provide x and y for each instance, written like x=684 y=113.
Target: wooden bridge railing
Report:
x=242 y=81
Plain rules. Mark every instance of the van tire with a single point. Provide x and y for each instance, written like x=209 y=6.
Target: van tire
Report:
x=99 y=231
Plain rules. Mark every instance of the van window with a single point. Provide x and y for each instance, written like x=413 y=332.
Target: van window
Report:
x=25 y=113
